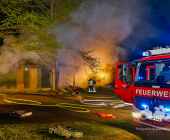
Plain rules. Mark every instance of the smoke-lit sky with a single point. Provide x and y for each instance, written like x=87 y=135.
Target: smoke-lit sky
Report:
x=118 y=30
x=152 y=30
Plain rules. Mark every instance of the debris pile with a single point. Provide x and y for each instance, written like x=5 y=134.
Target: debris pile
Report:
x=69 y=91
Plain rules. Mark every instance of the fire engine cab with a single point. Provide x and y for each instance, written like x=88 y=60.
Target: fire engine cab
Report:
x=145 y=84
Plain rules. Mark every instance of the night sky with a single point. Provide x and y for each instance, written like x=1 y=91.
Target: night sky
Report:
x=154 y=30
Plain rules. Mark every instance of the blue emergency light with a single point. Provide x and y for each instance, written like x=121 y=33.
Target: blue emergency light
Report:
x=144 y=105
x=144 y=53
x=140 y=78
x=167 y=109
x=147 y=53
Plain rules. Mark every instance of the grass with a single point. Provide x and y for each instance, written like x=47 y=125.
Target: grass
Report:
x=113 y=130
x=91 y=130
x=36 y=127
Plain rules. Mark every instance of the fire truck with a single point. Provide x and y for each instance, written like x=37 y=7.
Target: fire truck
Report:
x=145 y=84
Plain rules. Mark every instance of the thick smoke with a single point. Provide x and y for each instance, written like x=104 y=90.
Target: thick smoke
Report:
x=10 y=58
x=99 y=25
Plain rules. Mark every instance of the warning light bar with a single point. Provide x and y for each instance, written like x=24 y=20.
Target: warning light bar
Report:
x=147 y=53
x=167 y=109
x=157 y=51
x=144 y=105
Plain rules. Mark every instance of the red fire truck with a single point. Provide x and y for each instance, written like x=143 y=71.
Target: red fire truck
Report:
x=145 y=84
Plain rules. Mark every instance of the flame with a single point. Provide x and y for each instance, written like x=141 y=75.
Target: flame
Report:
x=102 y=75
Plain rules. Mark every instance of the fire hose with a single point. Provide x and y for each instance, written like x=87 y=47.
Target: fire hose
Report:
x=66 y=106
x=112 y=103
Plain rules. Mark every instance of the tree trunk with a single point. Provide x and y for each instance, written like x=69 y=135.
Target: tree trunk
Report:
x=53 y=78
x=57 y=74
x=74 y=80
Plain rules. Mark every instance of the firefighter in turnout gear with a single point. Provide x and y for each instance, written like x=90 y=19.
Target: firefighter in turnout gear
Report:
x=91 y=84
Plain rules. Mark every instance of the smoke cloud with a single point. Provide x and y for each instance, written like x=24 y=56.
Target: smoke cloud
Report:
x=111 y=27
x=10 y=58
x=99 y=25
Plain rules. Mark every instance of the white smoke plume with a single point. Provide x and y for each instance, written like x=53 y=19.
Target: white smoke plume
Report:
x=99 y=25
x=10 y=58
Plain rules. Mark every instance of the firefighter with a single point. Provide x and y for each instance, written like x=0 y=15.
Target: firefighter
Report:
x=165 y=72
x=91 y=84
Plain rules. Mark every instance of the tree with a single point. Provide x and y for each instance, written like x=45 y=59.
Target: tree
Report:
x=30 y=21
x=92 y=62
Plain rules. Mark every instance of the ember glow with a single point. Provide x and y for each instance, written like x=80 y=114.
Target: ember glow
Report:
x=102 y=75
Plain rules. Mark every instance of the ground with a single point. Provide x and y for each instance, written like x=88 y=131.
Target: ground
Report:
x=121 y=127
x=56 y=114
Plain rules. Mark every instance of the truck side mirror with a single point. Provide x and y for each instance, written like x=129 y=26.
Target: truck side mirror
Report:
x=124 y=73
x=125 y=69
x=123 y=79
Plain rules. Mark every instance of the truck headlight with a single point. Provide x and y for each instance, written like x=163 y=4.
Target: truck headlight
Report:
x=136 y=115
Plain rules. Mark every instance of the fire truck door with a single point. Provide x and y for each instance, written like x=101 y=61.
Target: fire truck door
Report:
x=124 y=77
